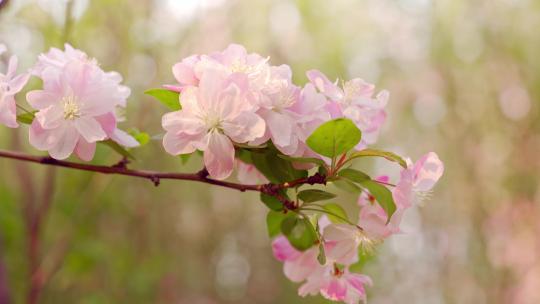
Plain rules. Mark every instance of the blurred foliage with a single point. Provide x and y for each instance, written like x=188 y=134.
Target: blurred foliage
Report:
x=465 y=82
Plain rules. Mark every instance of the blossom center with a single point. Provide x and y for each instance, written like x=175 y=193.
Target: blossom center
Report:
x=213 y=123
x=71 y=107
x=351 y=90
x=239 y=67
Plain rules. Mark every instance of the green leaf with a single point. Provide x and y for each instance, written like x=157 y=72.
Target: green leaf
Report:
x=299 y=232
x=116 y=147
x=347 y=186
x=244 y=155
x=334 y=137
x=336 y=213
x=354 y=175
x=26 y=118
x=310 y=160
x=185 y=158
x=273 y=222
x=322 y=255
x=169 y=98
x=271 y=202
x=314 y=195
x=378 y=153
x=142 y=137
x=382 y=195
x=275 y=169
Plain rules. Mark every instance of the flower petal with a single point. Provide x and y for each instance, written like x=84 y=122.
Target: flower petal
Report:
x=39 y=99
x=40 y=138
x=66 y=144
x=8 y=112
x=245 y=127
x=124 y=139
x=283 y=251
x=219 y=156
x=17 y=83
x=427 y=171
x=85 y=150
x=90 y=129
x=180 y=143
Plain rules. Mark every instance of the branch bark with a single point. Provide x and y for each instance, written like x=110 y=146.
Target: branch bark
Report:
x=156 y=176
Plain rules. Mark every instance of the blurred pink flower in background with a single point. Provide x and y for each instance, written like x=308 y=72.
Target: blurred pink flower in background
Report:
x=513 y=241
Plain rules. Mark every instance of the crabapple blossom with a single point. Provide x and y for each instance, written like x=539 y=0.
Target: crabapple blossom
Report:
x=10 y=84
x=75 y=110
x=419 y=177
x=373 y=219
x=234 y=59
x=52 y=65
x=297 y=265
x=290 y=114
x=214 y=116
x=343 y=240
x=336 y=285
x=354 y=100
x=184 y=73
x=55 y=59
x=275 y=108
x=311 y=110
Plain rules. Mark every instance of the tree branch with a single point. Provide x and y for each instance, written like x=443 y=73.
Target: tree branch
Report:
x=156 y=177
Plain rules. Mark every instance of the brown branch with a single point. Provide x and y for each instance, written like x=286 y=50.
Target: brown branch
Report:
x=155 y=176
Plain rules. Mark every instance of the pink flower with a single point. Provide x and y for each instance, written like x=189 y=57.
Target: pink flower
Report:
x=354 y=100
x=311 y=112
x=297 y=265
x=342 y=242
x=373 y=219
x=249 y=175
x=234 y=59
x=290 y=114
x=75 y=110
x=10 y=84
x=420 y=177
x=276 y=101
x=336 y=285
x=213 y=116
x=52 y=65
x=54 y=61
x=184 y=73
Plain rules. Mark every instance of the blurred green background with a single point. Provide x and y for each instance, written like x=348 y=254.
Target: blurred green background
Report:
x=464 y=78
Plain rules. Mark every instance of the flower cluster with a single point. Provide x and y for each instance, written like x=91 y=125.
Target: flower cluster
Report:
x=342 y=242
x=247 y=115
x=233 y=97
x=232 y=101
